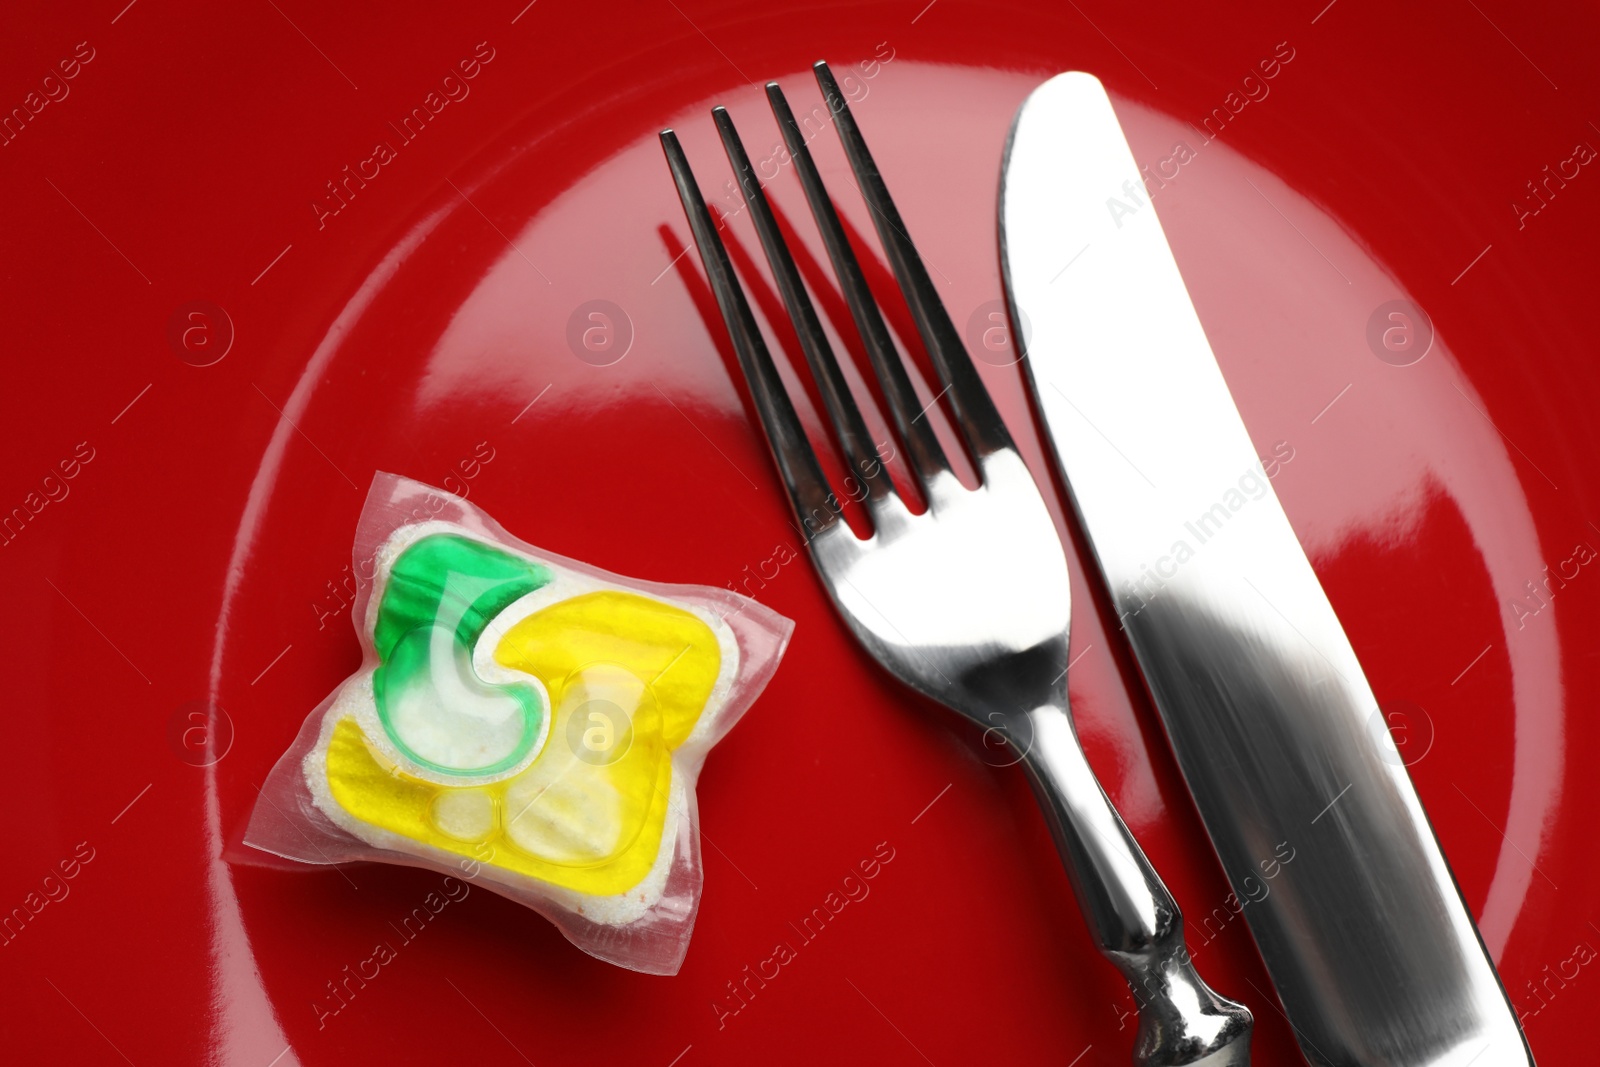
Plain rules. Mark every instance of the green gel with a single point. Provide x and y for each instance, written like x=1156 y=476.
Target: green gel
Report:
x=441 y=595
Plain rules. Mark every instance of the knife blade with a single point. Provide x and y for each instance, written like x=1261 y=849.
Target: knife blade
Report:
x=1373 y=953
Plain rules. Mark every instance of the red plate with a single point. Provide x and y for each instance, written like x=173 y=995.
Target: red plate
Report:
x=218 y=332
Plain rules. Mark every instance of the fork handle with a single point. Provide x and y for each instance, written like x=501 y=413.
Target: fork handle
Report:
x=1135 y=922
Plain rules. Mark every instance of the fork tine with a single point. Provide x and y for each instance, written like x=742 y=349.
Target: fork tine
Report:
x=974 y=411
x=814 y=503
x=926 y=455
x=848 y=424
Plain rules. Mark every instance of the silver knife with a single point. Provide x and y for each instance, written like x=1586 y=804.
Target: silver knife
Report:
x=1373 y=953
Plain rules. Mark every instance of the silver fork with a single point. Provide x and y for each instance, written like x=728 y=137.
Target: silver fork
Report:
x=969 y=601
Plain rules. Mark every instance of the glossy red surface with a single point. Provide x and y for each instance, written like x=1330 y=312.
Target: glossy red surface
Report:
x=199 y=551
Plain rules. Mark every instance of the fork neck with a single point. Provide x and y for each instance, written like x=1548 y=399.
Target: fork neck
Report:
x=1128 y=906
x=1135 y=922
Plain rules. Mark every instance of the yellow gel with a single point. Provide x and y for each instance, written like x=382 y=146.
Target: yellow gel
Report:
x=581 y=816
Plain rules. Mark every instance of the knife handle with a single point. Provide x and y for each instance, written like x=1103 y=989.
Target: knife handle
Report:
x=1135 y=922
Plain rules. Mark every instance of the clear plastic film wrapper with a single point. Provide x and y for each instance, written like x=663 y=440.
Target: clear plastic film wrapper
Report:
x=524 y=723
